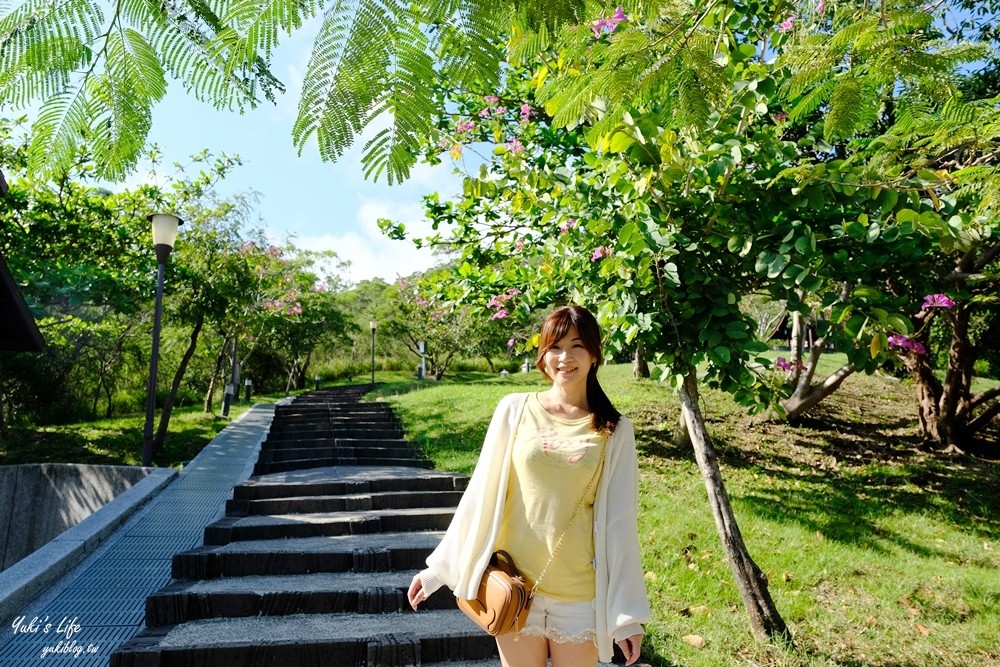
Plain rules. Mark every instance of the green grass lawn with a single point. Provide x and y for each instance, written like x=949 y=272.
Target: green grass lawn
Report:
x=877 y=552
x=117 y=441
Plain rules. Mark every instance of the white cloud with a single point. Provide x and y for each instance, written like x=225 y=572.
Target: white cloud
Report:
x=371 y=253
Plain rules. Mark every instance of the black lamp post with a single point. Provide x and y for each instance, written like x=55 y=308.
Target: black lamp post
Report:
x=374 y=325
x=164 y=234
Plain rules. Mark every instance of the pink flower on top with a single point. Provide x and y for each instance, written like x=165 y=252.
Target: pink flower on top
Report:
x=484 y=112
x=600 y=252
x=568 y=225
x=525 y=112
x=491 y=99
x=519 y=243
x=787 y=24
x=465 y=126
x=510 y=343
x=515 y=146
x=609 y=23
x=821 y=7
x=500 y=314
x=937 y=301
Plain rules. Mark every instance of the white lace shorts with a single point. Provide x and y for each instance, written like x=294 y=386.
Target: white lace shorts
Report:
x=561 y=621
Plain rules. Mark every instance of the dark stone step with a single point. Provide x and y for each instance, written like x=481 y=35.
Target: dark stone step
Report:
x=344 y=503
x=338 y=451
x=347 y=480
x=343 y=431
x=378 y=552
x=326 y=462
x=300 y=408
x=238 y=528
x=313 y=443
x=322 y=593
x=307 y=640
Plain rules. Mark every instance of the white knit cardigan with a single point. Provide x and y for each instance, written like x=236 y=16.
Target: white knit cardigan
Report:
x=460 y=559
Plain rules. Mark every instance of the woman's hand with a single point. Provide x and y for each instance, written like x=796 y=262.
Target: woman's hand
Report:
x=630 y=647
x=416 y=592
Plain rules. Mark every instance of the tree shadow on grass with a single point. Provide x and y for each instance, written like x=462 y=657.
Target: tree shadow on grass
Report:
x=838 y=478
x=845 y=503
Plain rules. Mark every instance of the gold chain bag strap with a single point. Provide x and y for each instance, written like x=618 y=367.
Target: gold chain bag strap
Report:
x=501 y=605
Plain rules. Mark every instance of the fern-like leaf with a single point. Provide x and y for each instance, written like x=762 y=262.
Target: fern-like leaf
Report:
x=61 y=121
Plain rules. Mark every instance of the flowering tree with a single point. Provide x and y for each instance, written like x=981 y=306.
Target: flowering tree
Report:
x=660 y=167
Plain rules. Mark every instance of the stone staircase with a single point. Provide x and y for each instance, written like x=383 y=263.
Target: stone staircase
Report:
x=311 y=563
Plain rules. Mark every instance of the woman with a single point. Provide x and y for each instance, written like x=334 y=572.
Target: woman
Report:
x=557 y=479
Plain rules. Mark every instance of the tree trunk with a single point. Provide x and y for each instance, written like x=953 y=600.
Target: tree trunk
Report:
x=803 y=400
x=210 y=394
x=168 y=405
x=640 y=368
x=765 y=621
x=489 y=362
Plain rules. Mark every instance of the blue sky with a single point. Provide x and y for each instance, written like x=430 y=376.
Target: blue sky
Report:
x=323 y=206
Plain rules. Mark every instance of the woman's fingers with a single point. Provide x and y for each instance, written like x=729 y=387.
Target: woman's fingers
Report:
x=416 y=592
x=630 y=647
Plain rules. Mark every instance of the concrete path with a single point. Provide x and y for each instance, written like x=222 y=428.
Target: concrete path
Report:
x=100 y=603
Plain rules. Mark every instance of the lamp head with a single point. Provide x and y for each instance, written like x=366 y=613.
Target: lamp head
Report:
x=373 y=324
x=164 y=228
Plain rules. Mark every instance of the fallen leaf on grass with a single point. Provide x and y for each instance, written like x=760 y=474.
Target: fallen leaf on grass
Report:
x=695 y=610
x=820 y=536
x=923 y=629
x=694 y=640
x=909 y=606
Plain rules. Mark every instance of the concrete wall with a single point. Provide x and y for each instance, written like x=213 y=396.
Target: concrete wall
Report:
x=40 y=501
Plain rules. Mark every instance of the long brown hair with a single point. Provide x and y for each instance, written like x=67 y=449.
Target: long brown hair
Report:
x=604 y=417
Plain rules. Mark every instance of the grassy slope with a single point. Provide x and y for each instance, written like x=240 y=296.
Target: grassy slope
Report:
x=876 y=552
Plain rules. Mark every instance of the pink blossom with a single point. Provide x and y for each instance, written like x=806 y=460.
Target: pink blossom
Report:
x=495 y=301
x=512 y=292
x=515 y=146
x=295 y=309
x=610 y=23
x=568 y=225
x=780 y=117
x=491 y=99
x=274 y=251
x=821 y=7
x=905 y=344
x=499 y=111
x=445 y=142
x=500 y=314
x=246 y=248
x=510 y=343
x=519 y=243
x=782 y=364
x=403 y=285
x=421 y=301
x=484 y=112
x=786 y=25
x=261 y=271
x=937 y=301
x=600 y=252
x=899 y=341
x=525 y=111
x=465 y=126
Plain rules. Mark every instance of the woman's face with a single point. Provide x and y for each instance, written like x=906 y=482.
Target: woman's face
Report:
x=568 y=361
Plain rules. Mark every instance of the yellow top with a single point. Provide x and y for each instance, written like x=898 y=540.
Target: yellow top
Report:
x=552 y=462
